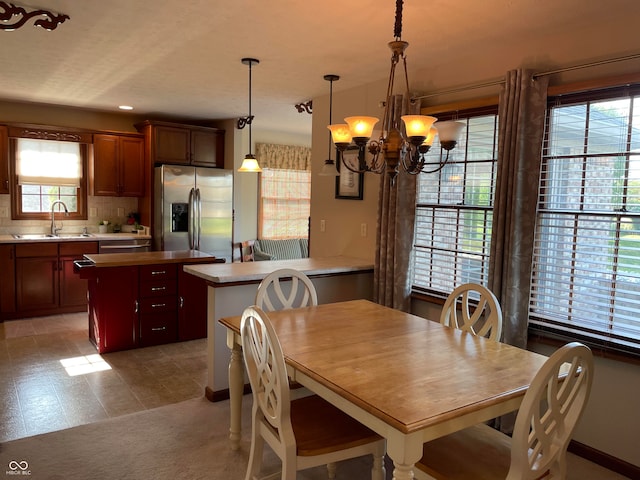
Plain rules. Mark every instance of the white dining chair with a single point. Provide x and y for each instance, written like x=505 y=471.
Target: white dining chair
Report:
x=475 y=309
x=545 y=422
x=306 y=432
x=286 y=288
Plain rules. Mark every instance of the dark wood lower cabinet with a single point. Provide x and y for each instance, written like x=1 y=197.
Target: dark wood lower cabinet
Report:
x=144 y=305
x=113 y=308
x=38 y=278
x=192 y=307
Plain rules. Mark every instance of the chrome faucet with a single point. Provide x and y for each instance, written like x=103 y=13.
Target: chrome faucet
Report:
x=54 y=228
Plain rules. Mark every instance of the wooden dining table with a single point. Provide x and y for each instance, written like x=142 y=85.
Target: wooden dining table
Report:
x=407 y=378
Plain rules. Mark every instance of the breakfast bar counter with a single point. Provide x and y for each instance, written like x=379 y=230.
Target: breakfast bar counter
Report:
x=232 y=287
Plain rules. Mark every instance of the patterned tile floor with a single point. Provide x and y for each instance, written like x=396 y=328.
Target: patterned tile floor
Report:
x=38 y=393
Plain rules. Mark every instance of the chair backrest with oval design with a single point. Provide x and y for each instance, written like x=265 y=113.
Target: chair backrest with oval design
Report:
x=549 y=413
x=286 y=288
x=475 y=309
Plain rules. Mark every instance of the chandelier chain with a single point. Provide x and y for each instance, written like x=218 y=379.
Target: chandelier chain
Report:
x=397 y=27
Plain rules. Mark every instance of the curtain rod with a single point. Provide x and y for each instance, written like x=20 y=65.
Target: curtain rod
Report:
x=462 y=89
x=587 y=65
x=534 y=76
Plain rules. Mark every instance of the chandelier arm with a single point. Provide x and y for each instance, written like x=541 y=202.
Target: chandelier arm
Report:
x=350 y=168
x=439 y=167
x=406 y=79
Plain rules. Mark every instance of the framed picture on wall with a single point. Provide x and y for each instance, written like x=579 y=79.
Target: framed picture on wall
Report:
x=349 y=185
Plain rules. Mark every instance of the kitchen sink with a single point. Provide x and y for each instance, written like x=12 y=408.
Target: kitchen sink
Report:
x=46 y=236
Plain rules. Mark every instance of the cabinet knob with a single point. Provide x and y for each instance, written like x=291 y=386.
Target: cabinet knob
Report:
x=136 y=305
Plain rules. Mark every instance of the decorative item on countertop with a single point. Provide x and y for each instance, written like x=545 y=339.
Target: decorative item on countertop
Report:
x=133 y=218
x=103 y=226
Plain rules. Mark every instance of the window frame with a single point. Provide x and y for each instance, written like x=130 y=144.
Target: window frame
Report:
x=486 y=109
x=541 y=325
x=16 y=189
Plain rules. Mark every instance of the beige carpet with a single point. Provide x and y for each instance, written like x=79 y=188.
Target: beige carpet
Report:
x=188 y=440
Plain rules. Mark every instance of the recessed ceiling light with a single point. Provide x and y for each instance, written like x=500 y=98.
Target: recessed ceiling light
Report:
x=125 y=107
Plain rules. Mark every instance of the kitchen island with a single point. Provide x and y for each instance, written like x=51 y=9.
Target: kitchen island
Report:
x=232 y=287
x=144 y=299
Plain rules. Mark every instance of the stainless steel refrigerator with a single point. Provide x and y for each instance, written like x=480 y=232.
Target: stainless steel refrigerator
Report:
x=193 y=209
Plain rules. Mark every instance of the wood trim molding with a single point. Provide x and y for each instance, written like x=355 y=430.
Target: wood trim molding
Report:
x=586 y=85
x=462 y=105
x=46 y=132
x=604 y=459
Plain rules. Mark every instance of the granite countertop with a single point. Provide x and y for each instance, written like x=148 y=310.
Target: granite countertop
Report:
x=225 y=273
x=147 y=258
x=72 y=237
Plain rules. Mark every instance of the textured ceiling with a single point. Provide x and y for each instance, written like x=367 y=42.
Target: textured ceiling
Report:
x=181 y=58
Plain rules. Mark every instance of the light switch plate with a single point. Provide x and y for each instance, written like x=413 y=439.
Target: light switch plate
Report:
x=4 y=212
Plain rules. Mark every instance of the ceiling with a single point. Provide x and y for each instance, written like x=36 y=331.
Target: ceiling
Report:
x=182 y=58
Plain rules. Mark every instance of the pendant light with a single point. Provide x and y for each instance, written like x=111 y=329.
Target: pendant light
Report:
x=249 y=164
x=329 y=169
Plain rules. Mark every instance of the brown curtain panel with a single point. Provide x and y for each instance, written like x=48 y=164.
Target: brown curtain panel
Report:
x=394 y=241
x=521 y=113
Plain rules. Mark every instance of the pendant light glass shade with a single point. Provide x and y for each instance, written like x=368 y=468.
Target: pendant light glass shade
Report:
x=250 y=164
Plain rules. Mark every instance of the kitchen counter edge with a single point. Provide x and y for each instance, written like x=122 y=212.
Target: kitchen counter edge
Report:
x=231 y=273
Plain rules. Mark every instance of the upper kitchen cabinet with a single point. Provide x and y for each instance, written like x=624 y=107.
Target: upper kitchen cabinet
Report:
x=180 y=144
x=118 y=168
x=4 y=160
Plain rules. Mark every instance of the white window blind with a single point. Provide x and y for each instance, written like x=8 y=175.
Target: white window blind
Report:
x=285 y=203
x=48 y=162
x=454 y=211
x=586 y=266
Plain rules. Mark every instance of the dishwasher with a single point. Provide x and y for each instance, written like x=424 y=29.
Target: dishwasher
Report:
x=133 y=245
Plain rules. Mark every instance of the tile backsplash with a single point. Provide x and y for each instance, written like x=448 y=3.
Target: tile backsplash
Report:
x=113 y=209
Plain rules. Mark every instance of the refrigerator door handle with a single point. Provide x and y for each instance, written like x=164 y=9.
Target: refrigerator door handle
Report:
x=198 y=218
x=191 y=226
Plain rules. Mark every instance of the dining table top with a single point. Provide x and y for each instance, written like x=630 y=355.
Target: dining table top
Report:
x=409 y=372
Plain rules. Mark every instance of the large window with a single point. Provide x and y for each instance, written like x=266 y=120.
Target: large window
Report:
x=45 y=171
x=454 y=210
x=586 y=266
x=285 y=203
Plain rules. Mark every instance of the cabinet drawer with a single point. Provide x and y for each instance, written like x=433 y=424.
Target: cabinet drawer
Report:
x=158 y=329
x=43 y=249
x=158 y=305
x=157 y=272
x=158 y=288
x=78 y=248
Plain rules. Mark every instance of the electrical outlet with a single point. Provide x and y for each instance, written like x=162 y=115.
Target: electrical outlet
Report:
x=363 y=229
x=120 y=212
x=93 y=212
x=323 y=226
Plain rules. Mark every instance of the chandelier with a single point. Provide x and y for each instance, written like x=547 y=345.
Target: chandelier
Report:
x=397 y=145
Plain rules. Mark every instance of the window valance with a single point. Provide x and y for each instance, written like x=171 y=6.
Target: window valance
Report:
x=286 y=157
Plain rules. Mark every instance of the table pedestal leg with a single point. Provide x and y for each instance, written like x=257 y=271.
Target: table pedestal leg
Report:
x=236 y=389
x=402 y=472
